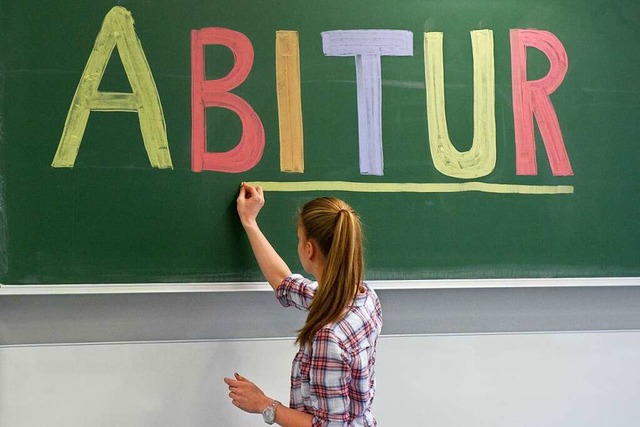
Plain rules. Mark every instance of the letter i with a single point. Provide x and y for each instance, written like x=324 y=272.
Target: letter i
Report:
x=289 y=101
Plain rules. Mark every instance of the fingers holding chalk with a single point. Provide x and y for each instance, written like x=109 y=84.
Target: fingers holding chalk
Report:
x=249 y=203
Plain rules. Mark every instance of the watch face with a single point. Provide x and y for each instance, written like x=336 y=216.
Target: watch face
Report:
x=269 y=415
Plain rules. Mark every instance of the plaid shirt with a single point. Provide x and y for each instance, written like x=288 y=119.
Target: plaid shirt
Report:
x=334 y=377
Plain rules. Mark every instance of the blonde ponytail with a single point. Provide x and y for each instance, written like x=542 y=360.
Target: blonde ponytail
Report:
x=336 y=229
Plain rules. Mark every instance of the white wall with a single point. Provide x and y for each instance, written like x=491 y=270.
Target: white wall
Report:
x=493 y=380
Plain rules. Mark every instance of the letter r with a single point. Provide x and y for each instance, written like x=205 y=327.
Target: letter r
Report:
x=532 y=98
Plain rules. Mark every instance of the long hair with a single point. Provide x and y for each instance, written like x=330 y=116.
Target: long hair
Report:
x=336 y=228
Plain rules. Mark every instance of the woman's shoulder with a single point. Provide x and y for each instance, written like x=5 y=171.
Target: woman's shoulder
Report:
x=296 y=290
x=296 y=279
x=368 y=300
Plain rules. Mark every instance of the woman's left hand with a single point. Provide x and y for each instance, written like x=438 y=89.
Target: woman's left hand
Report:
x=246 y=395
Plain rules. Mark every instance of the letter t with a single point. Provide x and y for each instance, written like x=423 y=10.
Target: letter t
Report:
x=368 y=46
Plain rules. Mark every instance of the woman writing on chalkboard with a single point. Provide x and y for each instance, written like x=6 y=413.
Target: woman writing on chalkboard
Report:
x=332 y=375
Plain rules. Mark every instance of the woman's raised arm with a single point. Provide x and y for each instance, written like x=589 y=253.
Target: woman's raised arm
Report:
x=249 y=203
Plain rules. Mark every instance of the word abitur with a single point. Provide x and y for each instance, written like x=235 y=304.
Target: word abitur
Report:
x=531 y=99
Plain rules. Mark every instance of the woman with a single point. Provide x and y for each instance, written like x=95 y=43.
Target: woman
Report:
x=332 y=376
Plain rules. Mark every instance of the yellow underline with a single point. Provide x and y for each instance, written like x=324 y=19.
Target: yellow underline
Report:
x=389 y=187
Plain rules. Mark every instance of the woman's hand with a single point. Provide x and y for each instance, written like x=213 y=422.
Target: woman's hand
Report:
x=246 y=395
x=249 y=202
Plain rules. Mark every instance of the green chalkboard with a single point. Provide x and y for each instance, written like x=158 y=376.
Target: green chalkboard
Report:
x=114 y=218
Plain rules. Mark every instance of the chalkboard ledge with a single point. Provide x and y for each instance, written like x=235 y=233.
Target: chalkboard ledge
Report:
x=162 y=288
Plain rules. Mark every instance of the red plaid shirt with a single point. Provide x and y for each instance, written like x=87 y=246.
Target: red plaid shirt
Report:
x=334 y=378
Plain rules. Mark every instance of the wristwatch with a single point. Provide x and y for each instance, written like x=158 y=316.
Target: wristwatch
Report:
x=269 y=413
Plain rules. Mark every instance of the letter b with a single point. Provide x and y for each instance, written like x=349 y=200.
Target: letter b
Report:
x=215 y=93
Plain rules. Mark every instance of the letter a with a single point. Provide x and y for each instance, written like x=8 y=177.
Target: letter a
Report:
x=117 y=31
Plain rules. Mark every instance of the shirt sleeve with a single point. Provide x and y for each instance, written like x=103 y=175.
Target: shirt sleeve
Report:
x=296 y=291
x=329 y=378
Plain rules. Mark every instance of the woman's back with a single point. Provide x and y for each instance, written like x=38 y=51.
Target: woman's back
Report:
x=334 y=376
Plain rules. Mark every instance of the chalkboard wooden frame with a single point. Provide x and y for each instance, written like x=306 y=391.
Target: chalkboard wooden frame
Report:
x=122 y=215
